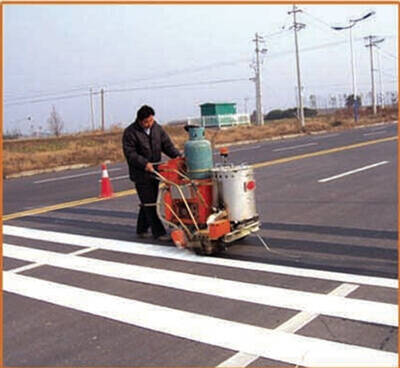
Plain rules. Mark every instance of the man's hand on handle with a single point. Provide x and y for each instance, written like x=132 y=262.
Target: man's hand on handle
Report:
x=149 y=167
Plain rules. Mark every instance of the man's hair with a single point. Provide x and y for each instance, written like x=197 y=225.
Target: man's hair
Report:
x=144 y=112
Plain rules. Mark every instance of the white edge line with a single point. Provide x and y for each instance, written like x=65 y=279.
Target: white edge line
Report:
x=73 y=176
x=326 y=136
x=352 y=172
x=375 y=133
x=118 y=178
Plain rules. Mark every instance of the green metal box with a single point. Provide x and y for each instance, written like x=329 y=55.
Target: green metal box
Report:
x=224 y=108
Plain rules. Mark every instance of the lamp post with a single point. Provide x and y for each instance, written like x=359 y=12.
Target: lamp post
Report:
x=352 y=23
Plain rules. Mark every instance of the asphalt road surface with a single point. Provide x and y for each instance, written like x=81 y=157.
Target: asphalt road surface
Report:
x=80 y=289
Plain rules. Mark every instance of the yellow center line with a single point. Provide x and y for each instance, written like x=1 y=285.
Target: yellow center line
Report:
x=59 y=206
x=323 y=152
x=132 y=191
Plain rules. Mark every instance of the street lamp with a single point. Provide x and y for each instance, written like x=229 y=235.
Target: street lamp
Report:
x=352 y=23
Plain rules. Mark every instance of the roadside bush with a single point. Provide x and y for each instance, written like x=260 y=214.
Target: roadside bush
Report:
x=289 y=113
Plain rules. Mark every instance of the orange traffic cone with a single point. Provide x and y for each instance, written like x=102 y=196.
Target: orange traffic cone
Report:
x=106 y=189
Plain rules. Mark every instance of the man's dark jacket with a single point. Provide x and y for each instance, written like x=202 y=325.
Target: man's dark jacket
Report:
x=140 y=148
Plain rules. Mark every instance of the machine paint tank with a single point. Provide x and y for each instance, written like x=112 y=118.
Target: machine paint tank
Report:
x=236 y=191
x=198 y=153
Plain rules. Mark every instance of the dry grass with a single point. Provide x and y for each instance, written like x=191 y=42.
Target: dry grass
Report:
x=96 y=147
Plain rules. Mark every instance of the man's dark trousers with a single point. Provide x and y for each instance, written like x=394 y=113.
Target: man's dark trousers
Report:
x=148 y=217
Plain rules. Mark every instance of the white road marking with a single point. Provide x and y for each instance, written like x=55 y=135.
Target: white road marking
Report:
x=326 y=136
x=301 y=319
x=184 y=255
x=244 y=149
x=240 y=149
x=354 y=309
x=379 y=127
x=352 y=172
x=240 y=359
x=292 y=325
x=118 y=178
x=374 y=133
x=37 y=264
x=28 y=267
x=226 y=334
x=73 y=176
x=294 y=147
x=82 y=251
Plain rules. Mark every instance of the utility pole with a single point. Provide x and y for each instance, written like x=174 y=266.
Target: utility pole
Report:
x=257 y=79
x=297 y=27
x=370 y=45
x=381 y=92
x=372 y=41
x=246 y=99
x=296 y=97
x=91 y=108
x=102 y=109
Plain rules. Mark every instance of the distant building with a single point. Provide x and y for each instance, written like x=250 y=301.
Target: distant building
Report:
x=219 y=115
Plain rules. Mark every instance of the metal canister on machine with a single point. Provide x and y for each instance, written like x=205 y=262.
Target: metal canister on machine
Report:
x=198 y=153
x=235 y=188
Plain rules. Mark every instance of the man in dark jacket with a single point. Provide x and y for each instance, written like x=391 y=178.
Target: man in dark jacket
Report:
x=143 y=142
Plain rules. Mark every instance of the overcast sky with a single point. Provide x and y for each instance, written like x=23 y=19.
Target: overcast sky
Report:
x=53 y=55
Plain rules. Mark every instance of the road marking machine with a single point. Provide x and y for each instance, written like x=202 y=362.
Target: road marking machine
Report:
x=208 y=206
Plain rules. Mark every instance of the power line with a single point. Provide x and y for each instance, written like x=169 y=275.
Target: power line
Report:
x=278 y=33
x=342 y=84
x=387 y=53
x=311 y=48
x=327 y=25
x=32 y=99
x=317 y=19
x=389 y=75
x=43 y=94
x=159 y=76
x=219 y=81
x=43 y=97
x=67 y=97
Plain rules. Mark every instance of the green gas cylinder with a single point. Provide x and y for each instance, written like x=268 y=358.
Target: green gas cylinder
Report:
x=198 y=153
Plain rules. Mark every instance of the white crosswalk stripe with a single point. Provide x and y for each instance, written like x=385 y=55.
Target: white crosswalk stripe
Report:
x=292 y=325
x=178 y=254
x=366 y=311
x=250 y=341
x=263 y=342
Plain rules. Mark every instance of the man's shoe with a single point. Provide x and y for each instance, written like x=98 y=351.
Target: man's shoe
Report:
x=165 y=237
x=144 y=235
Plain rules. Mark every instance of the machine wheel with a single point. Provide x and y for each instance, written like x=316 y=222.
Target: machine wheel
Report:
x=199 y=251
x=211 y=247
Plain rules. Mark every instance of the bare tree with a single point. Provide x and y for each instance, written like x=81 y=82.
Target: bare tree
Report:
x=55 y=122
x=350 y=101
x=313 y=101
